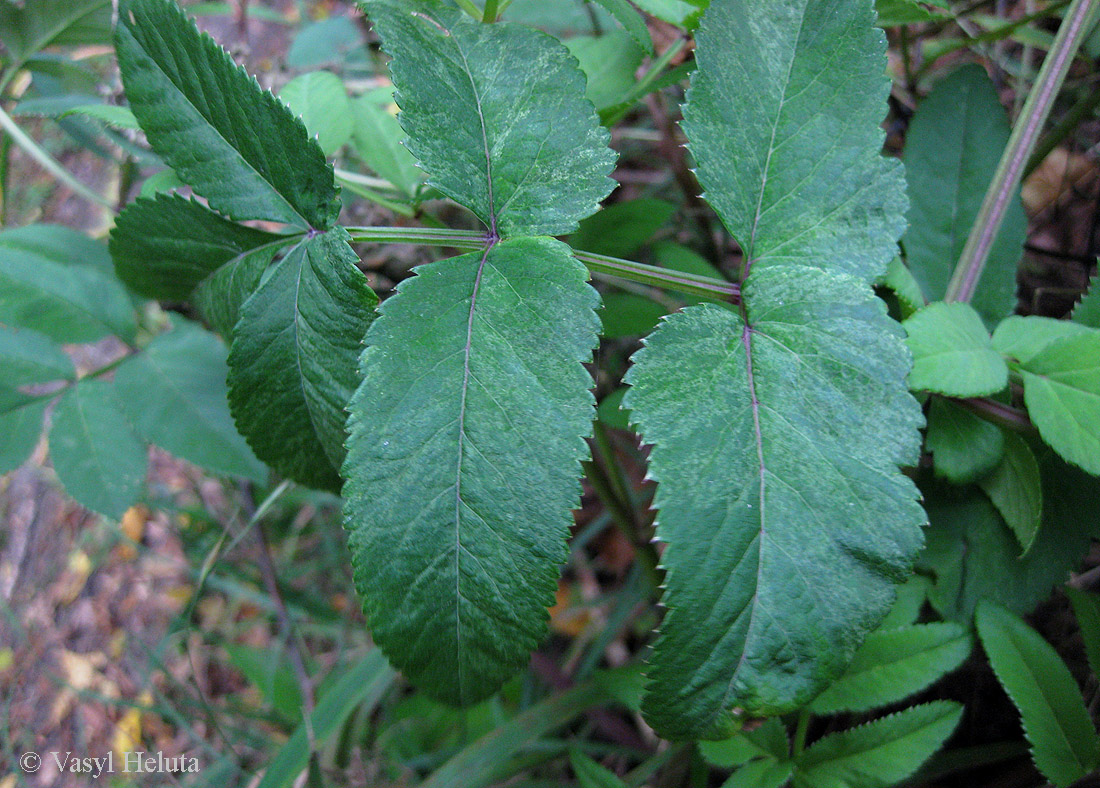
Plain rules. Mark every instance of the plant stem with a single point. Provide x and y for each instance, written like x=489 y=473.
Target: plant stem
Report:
x=800 y=732
x=602 y=265
x=469 y=8
x=491 y=12
x=1025 y=134
x=36 y=152
x=998 y=413
x=1084 y=107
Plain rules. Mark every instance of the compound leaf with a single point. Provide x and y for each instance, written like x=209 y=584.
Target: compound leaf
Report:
x=27 y=356
x=952 y=352
x=951 y=150
x=219 y=296
x=293 y=355
x=880 y=753
x=784 y=540
x=235 y=144
x=319 y=99
x=463 y=461
x=496 y=116
x=165 y=245
x=94 y=450
x=1064 y=744
x=21 y=425
x=1021 y=337
x=893 y=664
x=175 y=394
x=1087 y=310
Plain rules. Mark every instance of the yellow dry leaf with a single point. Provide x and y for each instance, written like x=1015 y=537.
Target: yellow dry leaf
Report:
x=1055 y=178
x=6 y=658
x=8 y=782
x=76 y=575
x=127 y=736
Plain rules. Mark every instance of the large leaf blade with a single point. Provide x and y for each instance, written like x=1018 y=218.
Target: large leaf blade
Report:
x=293 y=355
x=235 y=144
x=463 y=462
x=496 y=116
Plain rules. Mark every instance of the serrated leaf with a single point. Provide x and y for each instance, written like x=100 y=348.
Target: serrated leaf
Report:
x=900 y=280
x=1065 y=746
x=219 y=297
x=1021 y=337
x=1087 y=310
x=590 y=774
x=235 y=144
x=38 y=24
x=952 y=352
x=21 y=425
x=466 y=438
x=754 y=563
x=1062 y=393
x=47 y=287
x=880 y=753
x=769 y=739
x=293 y=356
x=631 y=20
x=609 y=63
x=379 y=140
x=1086 y=608
x=164 y=246
x=495 y=116
x=784 y=540
x=894 y=664
x=1015 y=488
x=964 y=446
x=319 y=99
x=175 y=395
x=27 y=356
x=954 y=142
x=972 y=555
x=97 y=457
x=764 y=773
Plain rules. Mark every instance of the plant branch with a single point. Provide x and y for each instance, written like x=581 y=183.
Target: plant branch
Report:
x=36 y=152
x=998 y=413
x=491 y=11
x=1025 y=134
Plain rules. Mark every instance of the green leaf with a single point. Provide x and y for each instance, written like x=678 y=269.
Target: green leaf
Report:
x=235 y=144
x=379 y=140
x=609 y=62
x=680 y=258
x=900 y=280
x=880 y=753
x=46 y=287
x=219 y=297
x=629 y=315
x=952 y=352
x=21 y=425
x=466 y=439
x=631 y=20
x=768 y=739
x=293 y=355
x=907 y=607
x=952 y=148
x=1020 y=338
x=764 y=773
x=324 y=41
x=94 y=451
x=495 y=116
x=894 y=664
x=361 y=687
x=319 y=99
x=58 y=244
x=972 y=555
x=1062 y=393
x=1086 y=607
x=797 y=425
x=893 y=13
x=1087 y=310
x=590 y=774
x=1015 y=488
x=964 y=446
x=175 y=395
x=29 y=357
x=164 y=246
x=38 y=24
x=1065 y=746
x=684 y=13
x=270 y=672
x=620 y=230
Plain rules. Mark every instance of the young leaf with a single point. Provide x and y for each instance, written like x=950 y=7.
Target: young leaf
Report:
x=964 y=447
x=900 y=280
x=94 y=450
x=1087 y=310
x=1086 y=607
x=21 y=425
x=768 y=739
x=235 y=144
x=1020 y=337
x=319 y=99
x=1062 y=393
x=880 y=753
x=952 y=353
x=220 y=296
x=164 y=246
x=495 y=116
x=609 y=63
x=783 y=536
x=1064 y=744
x=29 y=357
x=954 y=143
x=631 y=20
x=175 y=394
x=892 y=665
x=764 y=773
x=292 y=360
x=912 y=595
x=1015 y=488
x=466 y=438
x=378 y=139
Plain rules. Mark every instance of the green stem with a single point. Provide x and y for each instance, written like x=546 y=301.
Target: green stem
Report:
x=800 y=732
x=601 y=265
x=998 y=413
x=48 y=162
x=1084 y=107
x=1025 y=134
x=469 y=8
x=491 y=11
